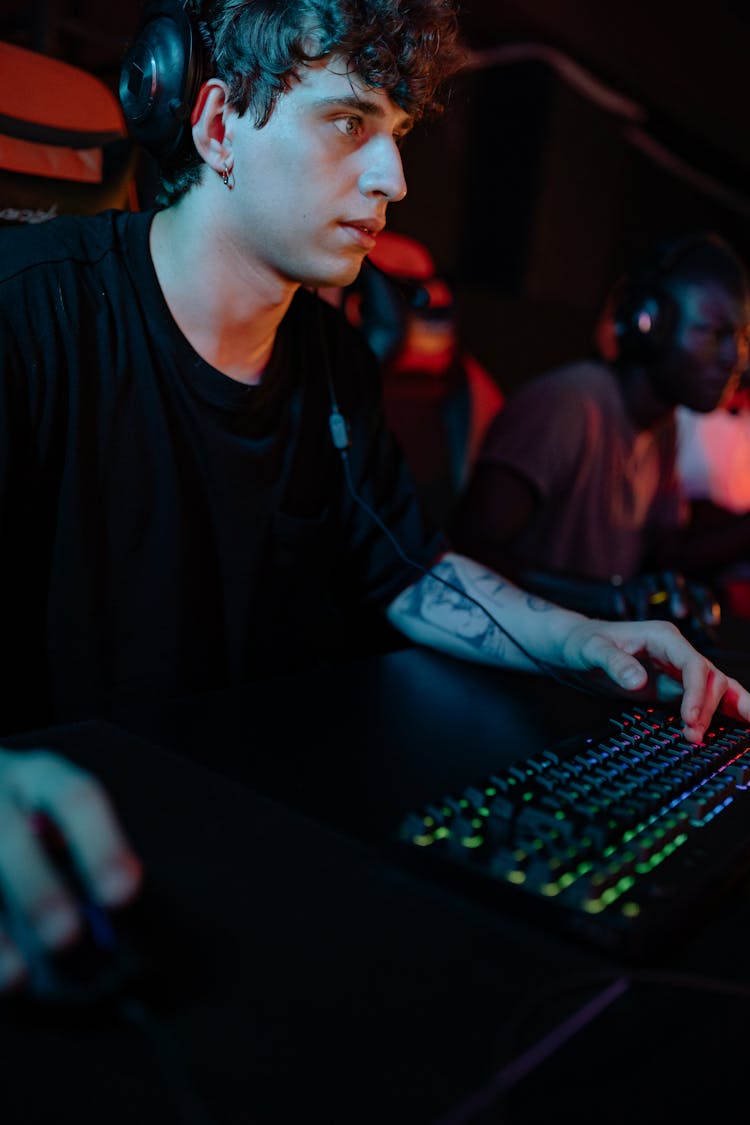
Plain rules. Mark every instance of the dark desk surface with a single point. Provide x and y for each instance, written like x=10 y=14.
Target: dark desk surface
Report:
x=314 y=980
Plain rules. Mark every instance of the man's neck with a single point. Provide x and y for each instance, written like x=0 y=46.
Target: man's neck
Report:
x=646 y=408
x=227 y=310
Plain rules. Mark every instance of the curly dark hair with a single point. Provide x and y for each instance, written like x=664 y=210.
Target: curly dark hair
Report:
x=407 y=47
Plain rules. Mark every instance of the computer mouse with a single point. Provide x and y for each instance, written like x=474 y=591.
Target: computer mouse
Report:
x=97 y=967
x=95 y=971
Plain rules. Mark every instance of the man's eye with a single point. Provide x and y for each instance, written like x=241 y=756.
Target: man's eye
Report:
x=349 y=126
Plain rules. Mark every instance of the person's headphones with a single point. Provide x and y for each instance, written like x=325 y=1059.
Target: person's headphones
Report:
x=645 y=314
x=161 y=73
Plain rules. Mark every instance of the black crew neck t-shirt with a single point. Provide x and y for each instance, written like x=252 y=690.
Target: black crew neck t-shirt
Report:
x=166 y=529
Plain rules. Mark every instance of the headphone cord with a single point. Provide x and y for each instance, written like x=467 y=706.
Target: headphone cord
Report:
x=572 y=679
x=340 y=436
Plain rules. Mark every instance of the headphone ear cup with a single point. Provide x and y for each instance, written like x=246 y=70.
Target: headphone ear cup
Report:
x=645 y=323
x=160 y=76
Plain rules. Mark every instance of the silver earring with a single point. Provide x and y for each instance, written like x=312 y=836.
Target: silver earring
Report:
x=227 y=177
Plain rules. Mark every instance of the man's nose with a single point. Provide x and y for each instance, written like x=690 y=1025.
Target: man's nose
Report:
x=384 y=171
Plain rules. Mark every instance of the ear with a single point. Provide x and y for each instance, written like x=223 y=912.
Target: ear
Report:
x=212 y=120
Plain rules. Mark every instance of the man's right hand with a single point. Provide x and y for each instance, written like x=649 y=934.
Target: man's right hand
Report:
x=40 y=786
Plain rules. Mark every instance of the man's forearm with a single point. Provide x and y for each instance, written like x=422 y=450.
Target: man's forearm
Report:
x=448 y=615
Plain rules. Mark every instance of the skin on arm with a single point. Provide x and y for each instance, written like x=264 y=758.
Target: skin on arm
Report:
x=448 y=618
x=40 y=784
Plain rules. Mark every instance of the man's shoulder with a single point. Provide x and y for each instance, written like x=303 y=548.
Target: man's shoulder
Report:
x=77 y=239
x=572 y=381
x=578 y=374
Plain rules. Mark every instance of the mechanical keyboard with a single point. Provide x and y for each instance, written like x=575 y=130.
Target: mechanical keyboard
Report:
x=618 y=837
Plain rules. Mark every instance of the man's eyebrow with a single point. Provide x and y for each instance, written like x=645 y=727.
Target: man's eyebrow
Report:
x=361 y=105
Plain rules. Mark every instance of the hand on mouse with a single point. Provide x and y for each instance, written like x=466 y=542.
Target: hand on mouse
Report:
x=40 y=784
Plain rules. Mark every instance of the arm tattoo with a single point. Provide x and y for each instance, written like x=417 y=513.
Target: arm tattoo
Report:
x=451 y=609
x=492 y=585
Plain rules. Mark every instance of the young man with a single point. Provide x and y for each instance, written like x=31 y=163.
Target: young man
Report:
x=176 y=512
x=577 y=474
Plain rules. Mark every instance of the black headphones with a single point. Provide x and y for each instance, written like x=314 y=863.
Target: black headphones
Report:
x=161 y=74
x=645 y=313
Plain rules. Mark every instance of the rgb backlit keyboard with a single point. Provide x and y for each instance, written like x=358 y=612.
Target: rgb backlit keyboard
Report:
x=619 y=836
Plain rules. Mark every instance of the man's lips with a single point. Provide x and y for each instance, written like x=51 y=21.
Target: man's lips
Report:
x=364 y=231
x=369 y=226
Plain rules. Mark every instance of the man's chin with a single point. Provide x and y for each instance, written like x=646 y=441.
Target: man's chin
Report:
x=340 y=275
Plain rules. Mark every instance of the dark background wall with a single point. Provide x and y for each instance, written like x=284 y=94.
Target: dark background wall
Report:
x=583 y=130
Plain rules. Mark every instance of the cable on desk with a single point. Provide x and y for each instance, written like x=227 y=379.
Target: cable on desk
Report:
x=169 y=1061
x=488 y=1096
x=522 y=1065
